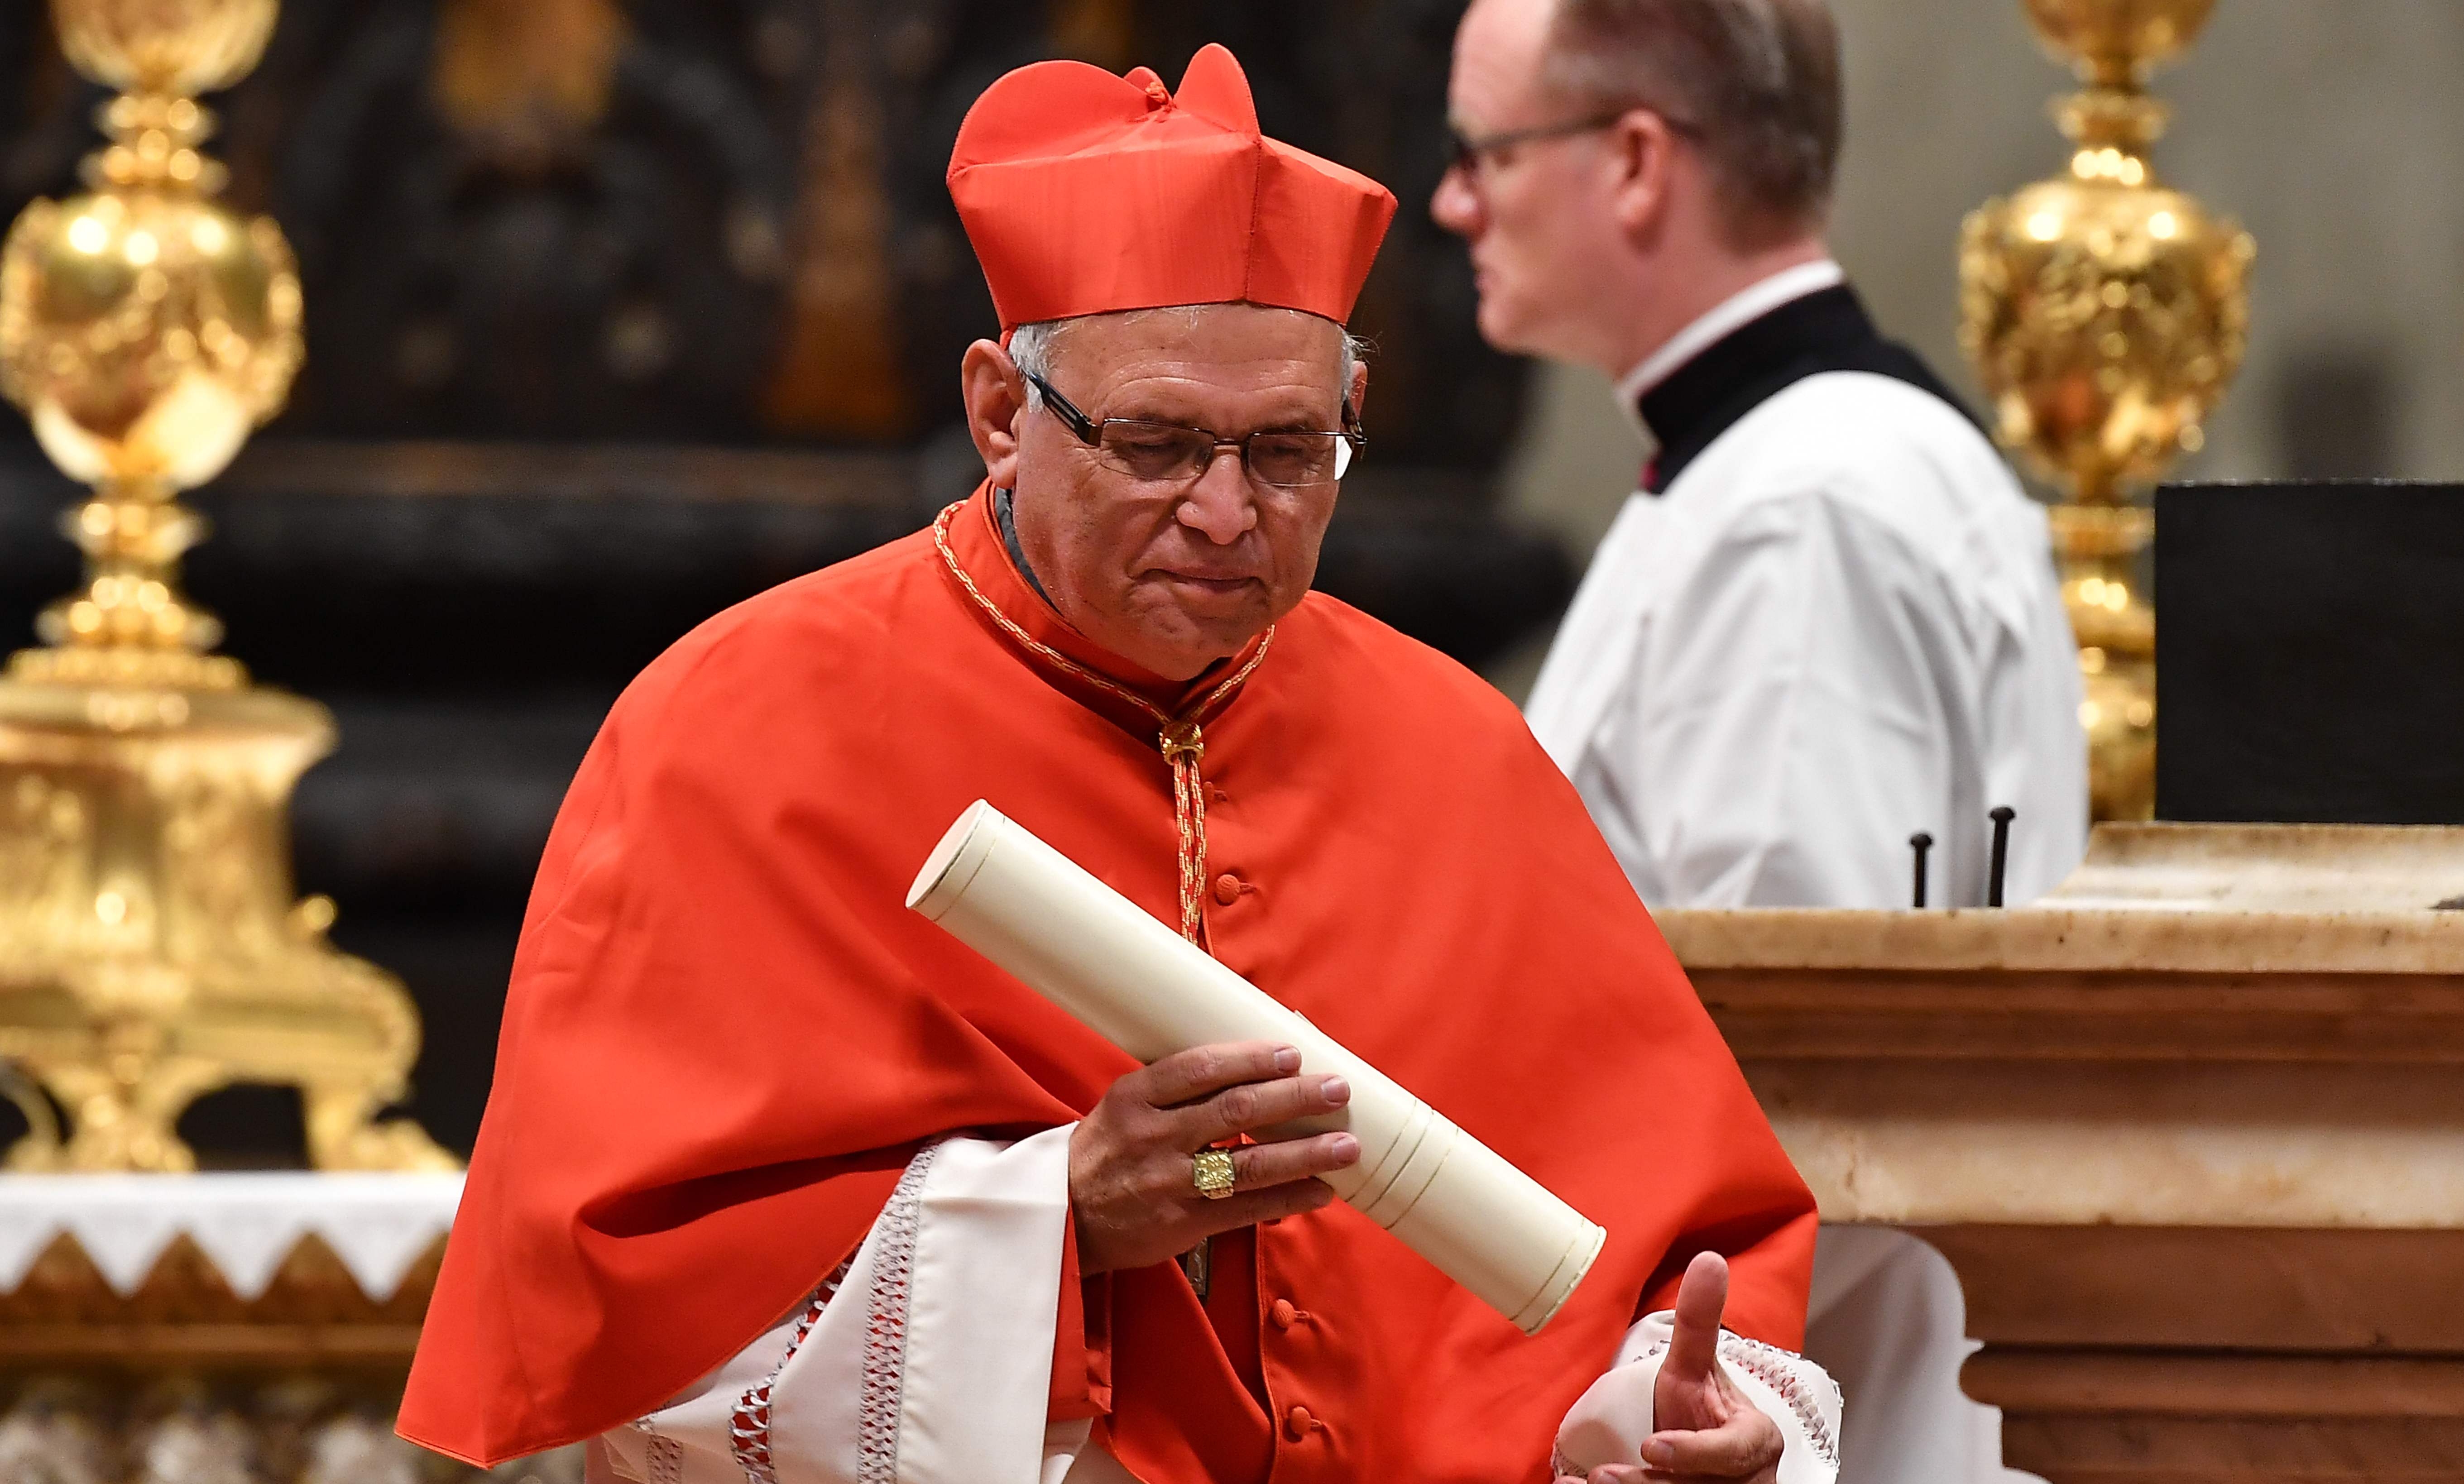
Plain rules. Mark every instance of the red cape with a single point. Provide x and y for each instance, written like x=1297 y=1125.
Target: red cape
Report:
x=726 y=1034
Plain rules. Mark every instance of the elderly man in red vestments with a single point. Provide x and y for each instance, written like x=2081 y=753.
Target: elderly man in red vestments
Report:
x=780 y=1184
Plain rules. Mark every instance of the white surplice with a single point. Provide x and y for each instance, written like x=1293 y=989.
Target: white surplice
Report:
x=927 y=1358
x=1836 y=628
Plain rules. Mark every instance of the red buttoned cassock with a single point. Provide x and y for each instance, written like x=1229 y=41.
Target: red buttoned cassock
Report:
x=727 y=1035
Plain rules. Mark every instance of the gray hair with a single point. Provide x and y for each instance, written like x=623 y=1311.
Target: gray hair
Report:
x=1756 y=80
x=1030 y=348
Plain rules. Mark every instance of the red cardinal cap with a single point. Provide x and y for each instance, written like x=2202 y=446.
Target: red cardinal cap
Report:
x=1085 y=193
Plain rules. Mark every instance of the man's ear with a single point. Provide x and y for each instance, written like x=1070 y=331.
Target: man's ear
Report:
x=996 y=397
x=1644 y=149
x=1359 y=389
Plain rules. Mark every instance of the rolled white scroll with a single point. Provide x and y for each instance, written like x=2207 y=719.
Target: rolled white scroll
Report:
x=1140 y=985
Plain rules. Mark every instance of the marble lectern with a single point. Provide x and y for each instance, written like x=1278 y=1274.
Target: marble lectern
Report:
x=2190 y=1130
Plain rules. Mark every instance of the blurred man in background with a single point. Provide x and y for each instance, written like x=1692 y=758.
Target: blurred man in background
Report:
x=1828 y=621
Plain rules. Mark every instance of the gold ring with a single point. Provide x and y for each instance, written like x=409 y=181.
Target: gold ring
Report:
x=1211 y=1171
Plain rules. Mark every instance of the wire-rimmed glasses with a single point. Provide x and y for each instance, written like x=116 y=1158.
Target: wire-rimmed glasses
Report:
x=1155 y=452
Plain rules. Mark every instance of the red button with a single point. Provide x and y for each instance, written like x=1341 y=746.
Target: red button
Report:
x=1297 y=1423
x=1283 y=1313
x=1227 y=888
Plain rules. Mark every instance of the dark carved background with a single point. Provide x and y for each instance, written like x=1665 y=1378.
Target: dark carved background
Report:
x=619 y=314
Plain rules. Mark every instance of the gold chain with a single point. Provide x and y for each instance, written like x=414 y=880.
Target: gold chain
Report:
x=1182 y=741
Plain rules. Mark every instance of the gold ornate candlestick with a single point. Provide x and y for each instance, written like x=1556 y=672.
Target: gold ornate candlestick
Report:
x=150 y=949
x=2107 y=315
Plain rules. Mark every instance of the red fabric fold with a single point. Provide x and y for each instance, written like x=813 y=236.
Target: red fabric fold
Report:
x=1082 y=1360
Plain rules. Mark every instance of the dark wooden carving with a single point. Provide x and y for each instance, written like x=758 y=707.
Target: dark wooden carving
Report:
x=543 y=218
x=725 y=219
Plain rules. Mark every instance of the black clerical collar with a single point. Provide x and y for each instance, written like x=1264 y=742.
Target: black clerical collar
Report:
x=1007 y=520
x=1824 y=331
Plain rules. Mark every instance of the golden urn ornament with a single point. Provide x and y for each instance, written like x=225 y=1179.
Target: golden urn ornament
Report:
x=150 y=949
x=2107 y=315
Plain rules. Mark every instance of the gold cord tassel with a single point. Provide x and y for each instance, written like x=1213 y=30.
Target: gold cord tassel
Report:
x=1184 y=747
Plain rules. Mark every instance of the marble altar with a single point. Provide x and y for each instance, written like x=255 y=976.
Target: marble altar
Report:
x=2190 y=1130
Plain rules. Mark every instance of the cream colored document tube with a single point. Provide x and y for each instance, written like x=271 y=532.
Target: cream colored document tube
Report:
x=1140 y=985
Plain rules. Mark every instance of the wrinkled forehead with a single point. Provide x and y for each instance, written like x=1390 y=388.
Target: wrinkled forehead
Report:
x=1234 y=347
x=1201 y=332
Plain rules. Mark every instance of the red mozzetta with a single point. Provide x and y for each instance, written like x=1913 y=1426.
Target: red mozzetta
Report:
x=726 y=1034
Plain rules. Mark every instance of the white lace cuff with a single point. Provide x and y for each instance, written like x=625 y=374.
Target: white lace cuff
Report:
x=926 y=1359
x=1613 y=1419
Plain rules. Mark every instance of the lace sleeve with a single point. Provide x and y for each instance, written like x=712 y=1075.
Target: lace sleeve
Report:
x=926 y=1359
x=1613 y=1419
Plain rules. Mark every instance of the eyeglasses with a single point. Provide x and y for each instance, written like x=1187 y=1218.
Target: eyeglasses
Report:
x=1465 y=153
x=1169 y=453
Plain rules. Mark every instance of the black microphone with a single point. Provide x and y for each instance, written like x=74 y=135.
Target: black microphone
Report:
x=2002 y=816
x=1920 y=843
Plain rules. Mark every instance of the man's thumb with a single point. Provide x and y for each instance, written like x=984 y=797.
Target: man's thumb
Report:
x=1702 y=1298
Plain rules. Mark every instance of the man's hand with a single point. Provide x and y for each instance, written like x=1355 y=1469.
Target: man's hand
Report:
x=1705 y=1429
x=1130 y=1186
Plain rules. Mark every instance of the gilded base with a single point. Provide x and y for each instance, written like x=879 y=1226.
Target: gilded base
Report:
x=2107 y=315
x=150 y=947
x=2098 y=548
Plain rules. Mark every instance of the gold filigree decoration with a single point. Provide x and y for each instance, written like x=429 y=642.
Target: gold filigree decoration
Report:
x=2106 y=313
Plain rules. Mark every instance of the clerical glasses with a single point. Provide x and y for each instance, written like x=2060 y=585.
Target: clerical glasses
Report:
x=1169 y=453
x=1465 y=152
